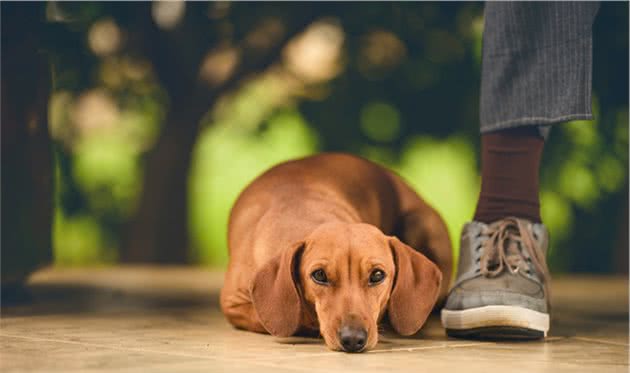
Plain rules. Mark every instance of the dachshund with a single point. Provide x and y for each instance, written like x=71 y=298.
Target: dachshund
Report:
x=332 y=243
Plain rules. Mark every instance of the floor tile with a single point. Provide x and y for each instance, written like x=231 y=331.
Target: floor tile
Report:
x=163 y=319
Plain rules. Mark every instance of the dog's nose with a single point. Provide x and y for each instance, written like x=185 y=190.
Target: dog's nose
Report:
x=352 y=338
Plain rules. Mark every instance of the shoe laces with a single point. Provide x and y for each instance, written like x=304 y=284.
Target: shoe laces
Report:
x=507 y=239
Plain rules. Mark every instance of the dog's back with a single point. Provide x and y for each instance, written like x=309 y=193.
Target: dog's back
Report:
x=289 y=201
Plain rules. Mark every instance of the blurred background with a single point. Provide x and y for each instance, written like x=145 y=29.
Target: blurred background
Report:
x=138 y=124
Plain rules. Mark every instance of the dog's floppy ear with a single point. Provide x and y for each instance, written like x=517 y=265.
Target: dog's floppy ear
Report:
x=275 y=294
x=416 y=288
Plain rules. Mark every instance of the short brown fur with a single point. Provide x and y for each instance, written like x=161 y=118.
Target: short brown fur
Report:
x=347 y=216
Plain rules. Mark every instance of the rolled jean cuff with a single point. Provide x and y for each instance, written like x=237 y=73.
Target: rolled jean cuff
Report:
x=537 y=86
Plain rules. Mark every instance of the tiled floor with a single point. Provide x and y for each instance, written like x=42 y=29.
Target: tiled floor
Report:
x=147 y=319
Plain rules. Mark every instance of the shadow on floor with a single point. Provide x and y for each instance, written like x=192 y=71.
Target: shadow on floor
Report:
x=53 y=299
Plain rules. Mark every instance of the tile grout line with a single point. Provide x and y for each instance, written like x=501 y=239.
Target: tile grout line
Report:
x=399 y=349
x=272 y=363
x=411 y=349
x=132 y=349
x=111 y=347
x=602 y=341
x=263 y=363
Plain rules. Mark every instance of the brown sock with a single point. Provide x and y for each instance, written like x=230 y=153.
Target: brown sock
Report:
x=509 y=174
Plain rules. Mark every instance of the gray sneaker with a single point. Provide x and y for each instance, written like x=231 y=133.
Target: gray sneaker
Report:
x=501 y=290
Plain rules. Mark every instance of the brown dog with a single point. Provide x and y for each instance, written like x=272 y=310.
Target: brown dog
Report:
x=310 y=249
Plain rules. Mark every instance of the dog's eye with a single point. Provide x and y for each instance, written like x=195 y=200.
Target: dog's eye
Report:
x=320 y=277
x=376 y=277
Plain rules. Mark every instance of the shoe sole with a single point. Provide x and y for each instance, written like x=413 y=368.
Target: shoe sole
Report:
x=496 y=322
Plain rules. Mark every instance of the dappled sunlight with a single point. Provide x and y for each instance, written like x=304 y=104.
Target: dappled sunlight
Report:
x=588 y=171
x=226 y=159
x=381 y=51
x=78 y=240
x=610 y=173
x=246 y=108
x=103 y=140
x=218 y=65
x=58 y=116
x=108 y=170
x=167 y=14
x=396 y=83
x=266 y=34
x=380 y=121
x=555 y=210
x=104 y=37
x=95 y=111
x=478 y=39
x=315 y=55
x=578 y=184
x=116 y=72
x=444 y=172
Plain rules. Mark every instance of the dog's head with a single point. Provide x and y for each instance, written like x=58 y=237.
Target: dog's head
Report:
x=343 y=278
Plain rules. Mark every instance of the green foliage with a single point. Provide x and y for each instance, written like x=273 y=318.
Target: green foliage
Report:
x=380 y=121
x=444 y=173
x=226 y=159
x=406 y=96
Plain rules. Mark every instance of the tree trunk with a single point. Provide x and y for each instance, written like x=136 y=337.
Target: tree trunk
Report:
x=159 y=229
x=620 y=256
x=27 y=167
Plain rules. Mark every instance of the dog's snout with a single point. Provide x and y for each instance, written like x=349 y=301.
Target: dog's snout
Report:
x=352 y=338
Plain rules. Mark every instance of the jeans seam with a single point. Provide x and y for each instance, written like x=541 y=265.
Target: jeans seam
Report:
x=528 y=121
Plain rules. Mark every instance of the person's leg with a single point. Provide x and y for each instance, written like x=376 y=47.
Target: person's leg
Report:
x=537 y=62
x=536 y=71
x=510 y=160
